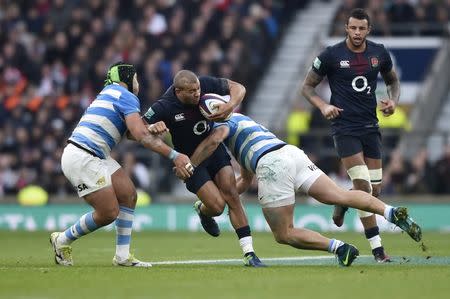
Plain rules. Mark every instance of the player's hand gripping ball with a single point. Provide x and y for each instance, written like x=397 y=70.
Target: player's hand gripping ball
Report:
x=209 y=104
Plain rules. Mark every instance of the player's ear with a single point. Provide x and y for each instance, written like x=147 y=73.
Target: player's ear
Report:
x=368 y=29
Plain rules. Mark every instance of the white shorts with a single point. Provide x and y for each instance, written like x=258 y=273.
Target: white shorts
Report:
x=86 y=172
x=281 y=173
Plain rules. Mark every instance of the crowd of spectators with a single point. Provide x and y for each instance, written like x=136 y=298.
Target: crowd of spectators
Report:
x=399 y=17
x=54 y=55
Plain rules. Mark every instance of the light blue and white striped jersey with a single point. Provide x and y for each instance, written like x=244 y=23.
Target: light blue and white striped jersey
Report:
x=248 y=140
x=103 y=123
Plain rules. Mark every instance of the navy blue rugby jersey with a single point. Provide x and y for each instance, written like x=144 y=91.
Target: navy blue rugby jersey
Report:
x=187 y=125
x=353 y=80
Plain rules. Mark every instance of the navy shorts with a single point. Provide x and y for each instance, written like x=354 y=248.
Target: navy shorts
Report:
x=369 y=144
x=208 y=169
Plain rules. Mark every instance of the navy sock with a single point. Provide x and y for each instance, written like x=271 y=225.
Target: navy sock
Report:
x=243 y=232
x=372 y=232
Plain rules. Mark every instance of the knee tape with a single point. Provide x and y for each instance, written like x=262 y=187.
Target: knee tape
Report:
x=376 y=175
x=361 y=172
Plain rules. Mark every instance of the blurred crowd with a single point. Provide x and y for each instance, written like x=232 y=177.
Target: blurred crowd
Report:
x=54 y=55
x=399 y=17
x=419 y=175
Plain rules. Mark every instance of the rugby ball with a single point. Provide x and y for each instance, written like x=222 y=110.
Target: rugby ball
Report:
x=209 y=103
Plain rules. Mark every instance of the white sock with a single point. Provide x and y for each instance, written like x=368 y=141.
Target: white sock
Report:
x=375 y=242
x=387 y=212
x=334 y=245
x=246 y=244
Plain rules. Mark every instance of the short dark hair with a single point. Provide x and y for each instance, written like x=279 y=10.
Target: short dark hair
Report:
x=183 y=78
x=360 y=14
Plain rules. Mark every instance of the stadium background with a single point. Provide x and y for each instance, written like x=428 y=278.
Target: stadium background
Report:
x=54 y=55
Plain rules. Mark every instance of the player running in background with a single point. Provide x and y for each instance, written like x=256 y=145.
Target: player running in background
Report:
x=282 y=169
x=213 y=182
x=97 y=177
x=352 y=67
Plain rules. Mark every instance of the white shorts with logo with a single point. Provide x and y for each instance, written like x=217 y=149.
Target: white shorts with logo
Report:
x=86 y=172
x=281 y=173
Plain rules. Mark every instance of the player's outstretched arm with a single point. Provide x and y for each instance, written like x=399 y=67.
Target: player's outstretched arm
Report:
x=141 y=134
x=393 y=90
x=244 y=181
x=210 y=144
x=309 y=92
x=237 y=93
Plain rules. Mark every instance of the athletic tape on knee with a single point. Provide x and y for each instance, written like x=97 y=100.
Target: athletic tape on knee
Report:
x=364 y=214
x=376 y=175
x=361 y=172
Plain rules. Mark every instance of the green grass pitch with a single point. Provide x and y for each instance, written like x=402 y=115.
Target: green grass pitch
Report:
x=194 y=265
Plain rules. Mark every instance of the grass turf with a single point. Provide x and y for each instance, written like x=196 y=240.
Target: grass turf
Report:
x=27 y=269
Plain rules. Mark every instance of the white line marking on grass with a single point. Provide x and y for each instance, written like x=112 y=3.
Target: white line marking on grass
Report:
x=271 y=259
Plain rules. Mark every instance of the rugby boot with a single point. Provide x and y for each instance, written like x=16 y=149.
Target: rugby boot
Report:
x=251 y=260
x=63 y=253
x=381 y=256
x=346 y=254
x=399 y=216
x=131 y=261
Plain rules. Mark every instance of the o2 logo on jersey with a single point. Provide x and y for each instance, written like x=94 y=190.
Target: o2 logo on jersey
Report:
x=360 y=84
x=201 y=127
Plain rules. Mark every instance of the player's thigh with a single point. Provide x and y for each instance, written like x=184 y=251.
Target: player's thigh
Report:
x=347 y=146
x=325 y=190
x=353 y=160
x=280 y=219
x=199 y=178
x=226 y=183
x=124 y=188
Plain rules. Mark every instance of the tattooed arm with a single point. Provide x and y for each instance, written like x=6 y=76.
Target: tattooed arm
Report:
x=393 y=90
x=141 y=134
x=309 y=92
x=209 y=145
